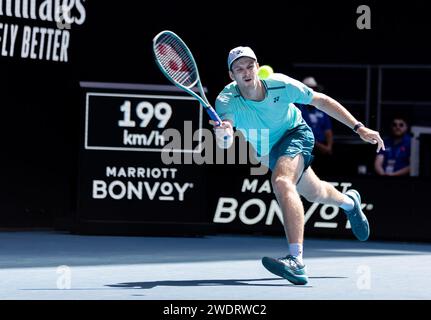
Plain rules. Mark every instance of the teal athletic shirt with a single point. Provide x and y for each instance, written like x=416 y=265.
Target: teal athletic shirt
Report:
x=264 y=122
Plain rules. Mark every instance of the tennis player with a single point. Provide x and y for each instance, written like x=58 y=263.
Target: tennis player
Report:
x=249 y=104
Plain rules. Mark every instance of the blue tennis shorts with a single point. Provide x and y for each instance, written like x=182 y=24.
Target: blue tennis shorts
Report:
x=295 y=141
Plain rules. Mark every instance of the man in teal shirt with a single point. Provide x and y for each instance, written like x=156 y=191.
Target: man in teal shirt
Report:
x=271 y=117
x=264 y=111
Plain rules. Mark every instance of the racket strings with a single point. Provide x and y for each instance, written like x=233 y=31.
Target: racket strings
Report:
x=180 y=74
x=175 y=65
x=180 y=67
x=176 y=60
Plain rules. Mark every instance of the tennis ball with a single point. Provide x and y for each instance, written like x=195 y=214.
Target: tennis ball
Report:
x=264 y=72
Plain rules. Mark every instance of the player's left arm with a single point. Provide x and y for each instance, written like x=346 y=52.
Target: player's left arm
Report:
x=333 y=108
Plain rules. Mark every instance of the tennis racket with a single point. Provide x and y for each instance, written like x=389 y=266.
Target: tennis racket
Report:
x=176 y=62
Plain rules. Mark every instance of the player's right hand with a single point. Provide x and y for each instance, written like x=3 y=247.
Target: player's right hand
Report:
x=222 y=125
x=223 y=133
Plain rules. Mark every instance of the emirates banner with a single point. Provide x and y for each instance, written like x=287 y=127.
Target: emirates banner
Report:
x=39 y=30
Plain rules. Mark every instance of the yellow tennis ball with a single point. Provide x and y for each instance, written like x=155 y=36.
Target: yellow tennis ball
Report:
x=264 y=72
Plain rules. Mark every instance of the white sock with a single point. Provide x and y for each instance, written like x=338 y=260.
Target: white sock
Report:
x=348 y=203
x=296 y=250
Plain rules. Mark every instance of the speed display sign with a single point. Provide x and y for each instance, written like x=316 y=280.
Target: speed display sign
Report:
x=123 y=177
x=133 y=122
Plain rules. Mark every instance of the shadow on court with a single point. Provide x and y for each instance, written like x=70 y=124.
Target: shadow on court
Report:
x=211 y=282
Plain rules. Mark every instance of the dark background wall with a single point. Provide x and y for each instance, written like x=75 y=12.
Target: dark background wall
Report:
x=41 y=102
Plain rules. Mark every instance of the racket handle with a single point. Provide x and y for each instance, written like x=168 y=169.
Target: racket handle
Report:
x=213 y=115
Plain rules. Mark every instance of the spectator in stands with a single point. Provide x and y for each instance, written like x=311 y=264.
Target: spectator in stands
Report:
x=395 y=160
x=321 y=125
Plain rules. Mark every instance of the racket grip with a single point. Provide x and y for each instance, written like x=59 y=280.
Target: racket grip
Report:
x=213 y=115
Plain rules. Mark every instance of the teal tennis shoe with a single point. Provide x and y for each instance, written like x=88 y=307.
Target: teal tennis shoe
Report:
x=288 y=268
x=358 y=220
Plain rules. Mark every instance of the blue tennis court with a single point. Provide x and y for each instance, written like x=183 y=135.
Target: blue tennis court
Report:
x=56 y=266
